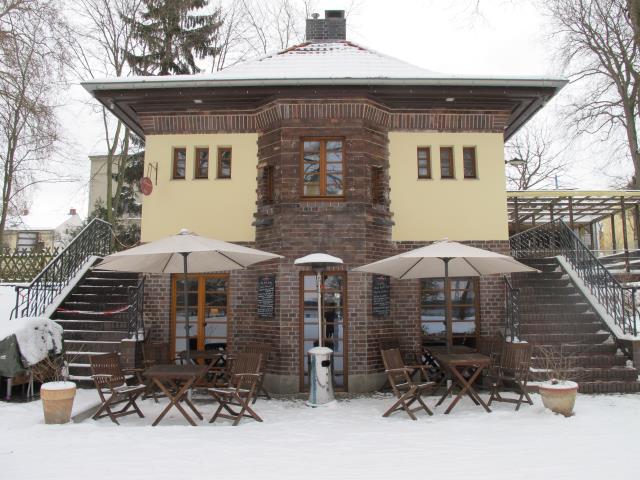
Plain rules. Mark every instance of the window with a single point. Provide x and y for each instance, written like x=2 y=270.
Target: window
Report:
x=322 y=168
x=378 y=196
x=469 y=158
x=464 y=308
x=202 y=162
x=424 y=162
x=446 y=162
x=208 y=312
x=224 y=162
x=267 y=177
x=179 y=163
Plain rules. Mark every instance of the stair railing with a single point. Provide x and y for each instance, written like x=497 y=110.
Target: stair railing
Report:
x=135 y=312
x=556 y=238
x=512 y=302
x=93 y=240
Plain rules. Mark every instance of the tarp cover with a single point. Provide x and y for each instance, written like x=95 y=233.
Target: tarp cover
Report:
x=10 y=362
x=26 y=342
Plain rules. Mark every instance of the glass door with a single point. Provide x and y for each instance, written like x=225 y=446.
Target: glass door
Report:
x=208 y=312
x=333 y=323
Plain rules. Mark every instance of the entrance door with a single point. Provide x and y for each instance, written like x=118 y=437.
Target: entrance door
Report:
x=208 y=312
x=334 y=323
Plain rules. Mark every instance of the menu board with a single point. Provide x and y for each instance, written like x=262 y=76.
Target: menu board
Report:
x=266 y=296
x=381 y=295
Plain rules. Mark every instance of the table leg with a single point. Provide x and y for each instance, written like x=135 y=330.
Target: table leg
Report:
x=466 y=388
x=174 y=400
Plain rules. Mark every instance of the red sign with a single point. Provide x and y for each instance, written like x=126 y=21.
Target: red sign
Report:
x=146 y=186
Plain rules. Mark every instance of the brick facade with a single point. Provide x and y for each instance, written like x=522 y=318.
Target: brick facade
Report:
x=356 y=229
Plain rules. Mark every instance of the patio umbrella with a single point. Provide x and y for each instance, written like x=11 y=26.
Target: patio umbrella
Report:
x=185 y=253
x=445 y=259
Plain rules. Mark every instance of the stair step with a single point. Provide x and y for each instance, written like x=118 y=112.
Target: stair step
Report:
x=94 y=325
x=105 y=335
x=96 y=272
x=103 y=298
x=101 y=289
x=114 y=313
x=609 y=387
x=554 y=307
x=581 y=349
x=594 y=361
x=110 y=282
x=570 y=338
x=593 y=374
x=560 y=327
x=558 y=317
x=91 y=306
x=101 y=346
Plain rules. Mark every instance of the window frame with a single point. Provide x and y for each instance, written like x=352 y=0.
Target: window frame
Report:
x=429 y=174
x=174 y=167
x=197 y=172
x=475 y=162
x=221 y=151
x=323 y=169
x=453 y=162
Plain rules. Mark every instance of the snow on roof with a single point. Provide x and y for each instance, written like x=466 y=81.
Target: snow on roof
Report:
x=339 y=62
x=42 y=221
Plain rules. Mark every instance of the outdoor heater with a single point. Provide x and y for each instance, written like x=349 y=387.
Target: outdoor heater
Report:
x=320 y=379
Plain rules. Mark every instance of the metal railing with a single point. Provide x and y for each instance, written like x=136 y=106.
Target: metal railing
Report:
x=512 y=302
x=33 y=299
x=135 y=312
x=556 y=238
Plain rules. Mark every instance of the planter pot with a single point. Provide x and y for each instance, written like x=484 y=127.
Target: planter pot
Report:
x=57 y=401
x=559 y=397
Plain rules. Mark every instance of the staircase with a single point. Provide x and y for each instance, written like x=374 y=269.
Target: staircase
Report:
x=95 y=318
x=554 y=315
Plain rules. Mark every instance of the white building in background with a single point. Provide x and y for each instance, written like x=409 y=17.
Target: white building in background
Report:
x=36 y=231
x=98 y=184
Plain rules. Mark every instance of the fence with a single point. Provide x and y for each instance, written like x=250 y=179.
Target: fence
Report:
x=22 y=266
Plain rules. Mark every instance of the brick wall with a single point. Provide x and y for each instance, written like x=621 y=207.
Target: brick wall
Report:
x=157 y=306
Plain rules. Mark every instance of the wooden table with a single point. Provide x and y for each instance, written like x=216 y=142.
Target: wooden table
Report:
x=175 y=381
x=456 y=364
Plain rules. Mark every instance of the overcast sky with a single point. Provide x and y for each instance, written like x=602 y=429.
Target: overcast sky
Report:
x=505 y=37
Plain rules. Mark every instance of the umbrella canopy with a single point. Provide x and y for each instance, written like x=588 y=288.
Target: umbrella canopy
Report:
x=167 y=256
x=428 y=262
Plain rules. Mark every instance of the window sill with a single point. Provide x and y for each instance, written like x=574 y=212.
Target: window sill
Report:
x=323 y=199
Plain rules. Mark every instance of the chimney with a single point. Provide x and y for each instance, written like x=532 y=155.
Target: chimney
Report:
x=25 y=212
x=73 y=211
x=332 y=27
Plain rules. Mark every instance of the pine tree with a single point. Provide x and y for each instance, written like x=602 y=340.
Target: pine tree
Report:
x=172 y=35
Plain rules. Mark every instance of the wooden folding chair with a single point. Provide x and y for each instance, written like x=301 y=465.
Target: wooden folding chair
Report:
x=264 y=351
x=243 y=384
x=154 y=353
x=404 y=388
x=110 y=381
x=512 y=374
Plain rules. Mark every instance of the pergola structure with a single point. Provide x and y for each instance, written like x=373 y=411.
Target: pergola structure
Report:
x=579 y=208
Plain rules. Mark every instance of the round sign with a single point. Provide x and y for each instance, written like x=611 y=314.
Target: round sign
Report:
x=146 y=186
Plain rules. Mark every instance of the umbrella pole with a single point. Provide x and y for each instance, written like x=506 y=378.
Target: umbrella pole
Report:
x=185 y=301
x=447 y=296
x=319 y=282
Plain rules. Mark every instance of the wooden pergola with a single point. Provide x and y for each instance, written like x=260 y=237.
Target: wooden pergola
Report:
x=578 y=208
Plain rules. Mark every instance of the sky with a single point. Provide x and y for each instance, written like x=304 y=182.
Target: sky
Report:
x=499 y=37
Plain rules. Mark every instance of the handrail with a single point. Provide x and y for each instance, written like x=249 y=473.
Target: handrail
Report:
x=512 y=302
x=32 y=300
x=135 y=312
x=556 y=238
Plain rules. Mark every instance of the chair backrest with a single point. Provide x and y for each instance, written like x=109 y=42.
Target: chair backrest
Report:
x=106 y=370
x=392 y=359
x=245 y=362
x=155 y=353
x=516 y=356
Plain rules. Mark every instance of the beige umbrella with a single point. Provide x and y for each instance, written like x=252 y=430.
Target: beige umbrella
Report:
x=445 y=259
x=183 y=253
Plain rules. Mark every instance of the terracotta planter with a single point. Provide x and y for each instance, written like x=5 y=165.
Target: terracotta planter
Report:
x=559 y=397
x=57 y=401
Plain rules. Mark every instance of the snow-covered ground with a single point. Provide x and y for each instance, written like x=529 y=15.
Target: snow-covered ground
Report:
x=349 y=439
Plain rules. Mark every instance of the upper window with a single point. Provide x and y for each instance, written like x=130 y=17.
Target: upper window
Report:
x=446 y=162
x=470 y=165
x=322 y=168
x=202 y=162
x=224 y=162
x=179 y=163
x=424 y=162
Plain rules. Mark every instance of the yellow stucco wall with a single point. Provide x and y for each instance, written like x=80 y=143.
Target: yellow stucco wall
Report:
x=217 y=208
x=458 y=209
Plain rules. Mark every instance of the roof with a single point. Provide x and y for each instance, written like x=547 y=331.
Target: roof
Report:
x=320 y=63
x=41 y=221
x=534 y=207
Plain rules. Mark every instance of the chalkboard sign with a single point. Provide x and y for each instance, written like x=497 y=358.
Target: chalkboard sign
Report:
x=267 y=296
x=381 y=296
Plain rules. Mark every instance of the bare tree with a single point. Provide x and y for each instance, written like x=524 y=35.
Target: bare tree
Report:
x=100 y=50
x=601 y=54
x=543 y=161
x=32 y=57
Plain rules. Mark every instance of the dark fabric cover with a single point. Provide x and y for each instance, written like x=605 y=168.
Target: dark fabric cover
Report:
x=10 y=361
